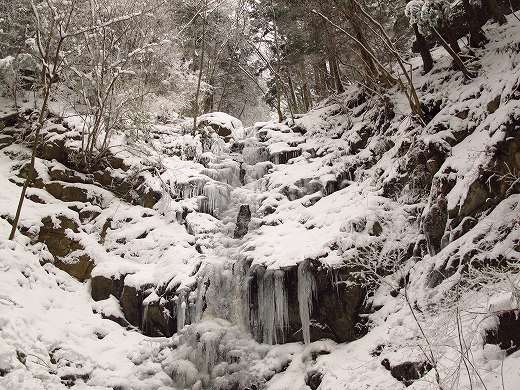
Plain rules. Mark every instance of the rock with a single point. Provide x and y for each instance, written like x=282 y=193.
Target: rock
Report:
x=53 y=150
x=67 y=253
x=87 y=214
x=243 y=219
x=150 y=198
x=493 y=105
x=335 y=310
x=9 y=119
x=283 y=156
x=158 y=321
x=68 y=176
x=68 y=193
x=5 y=140
x=77 y=267
x=102 y=287
x=375 y=229
x=313 y=379
x=37 y=181
x=407 y=372
x=506 y=334
x=465 y=226
x=116 y=162
x=58 y=243
x=131 y=304
x=434 y=224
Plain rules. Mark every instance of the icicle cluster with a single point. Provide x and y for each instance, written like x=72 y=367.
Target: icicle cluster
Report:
x=255 y=154
x=190 y=189
x=273 y=309
x=228 y=173
x=217 y=198
x=306 y=295
x=181 y=311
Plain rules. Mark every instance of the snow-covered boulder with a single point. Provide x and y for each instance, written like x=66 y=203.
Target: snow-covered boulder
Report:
x=224 y=124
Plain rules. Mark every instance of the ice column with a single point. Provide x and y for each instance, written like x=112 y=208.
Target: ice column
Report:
x=306 y=294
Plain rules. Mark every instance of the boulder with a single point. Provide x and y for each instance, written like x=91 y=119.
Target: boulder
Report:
x=69 y=193
x=243 y=219
x=132 y=304
x=506 y=333
x=68 y=254
x=434 y=224
x=407 y=372
x=102 y=287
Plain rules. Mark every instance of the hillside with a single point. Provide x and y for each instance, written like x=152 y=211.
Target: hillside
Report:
x=353 y=249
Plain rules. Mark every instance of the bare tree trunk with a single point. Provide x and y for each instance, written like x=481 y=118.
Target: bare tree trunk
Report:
x=279 y=102
x=453 y=54
x=199 y=81
x=495 y=11
x=422 y=48
x=292 y=92
x=30 y=174
x=476 y=35
x=306 y=92
x=335 y=73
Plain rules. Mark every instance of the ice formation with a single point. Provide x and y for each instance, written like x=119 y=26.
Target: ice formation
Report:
x=255 y=154
x=191 y=188
x=228 y=173
x=306 y=294
x=217 y=198
x=181 y=310
x=273 y=309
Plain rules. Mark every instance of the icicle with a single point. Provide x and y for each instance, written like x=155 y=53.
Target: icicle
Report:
x=190 y=189
x=144 y=321
x=306 y=294
x=217 y=195
x=273 y=310
x=228 y=173
x=181 y=311
x=209 y=343
x=257 y=171
x=255 y=154
x=281 y=304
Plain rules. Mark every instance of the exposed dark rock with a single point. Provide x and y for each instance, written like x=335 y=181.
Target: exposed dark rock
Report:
x=102 y=287
x=434 y=224
x=506 y=334
x=284 y=156
x=407 y=372
x=70 y=193
x=131 y=304
x=243 y=219
x=87 y=214
x=9 y=119
x=53 y=150
x=150 y=198
x=465 y=226
x=37 y=181
x=493 y=105
x=78 y=267
x=158 y=320
x=68 y=175
x=313 y=379
x=5 y=140
x=68 y=254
